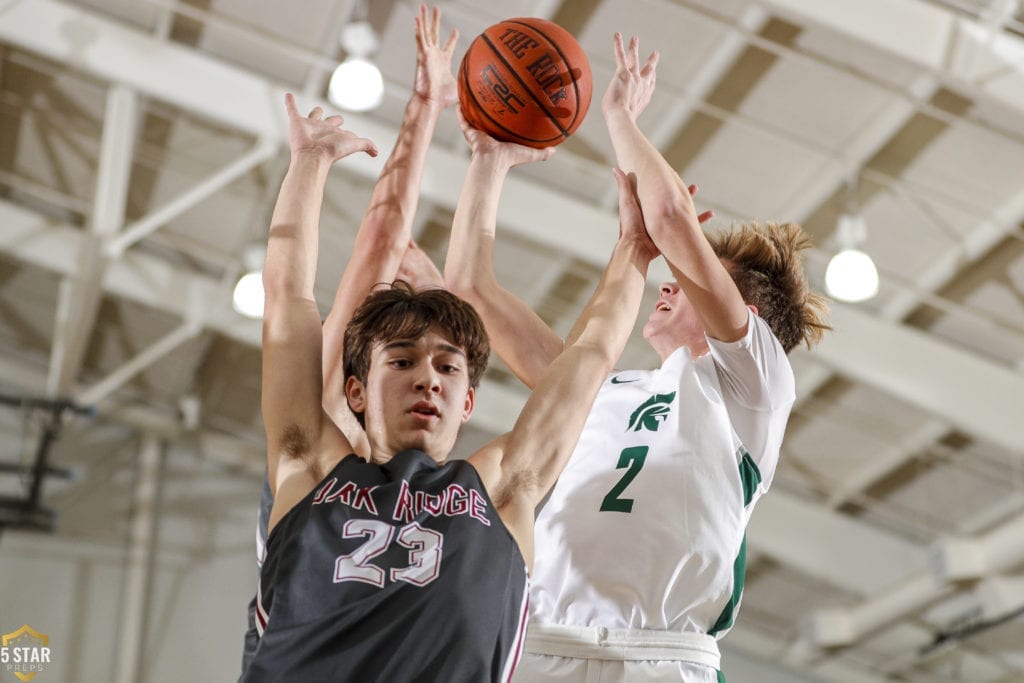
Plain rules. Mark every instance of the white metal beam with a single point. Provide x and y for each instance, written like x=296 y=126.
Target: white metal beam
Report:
x=829 y=546
x=236 y=98
x=80 y=296
x=959 y=50
x=979 y=396
x=157 y=218
x=160 y=348
x=141 y=544
x=212 y=446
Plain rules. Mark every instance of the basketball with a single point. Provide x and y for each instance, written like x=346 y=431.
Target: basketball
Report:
x=525 y=80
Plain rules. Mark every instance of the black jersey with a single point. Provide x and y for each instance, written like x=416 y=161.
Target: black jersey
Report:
x=395 y=572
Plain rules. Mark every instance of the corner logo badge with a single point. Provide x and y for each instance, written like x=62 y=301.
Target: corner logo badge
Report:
x=25 y=653
x=651 y=413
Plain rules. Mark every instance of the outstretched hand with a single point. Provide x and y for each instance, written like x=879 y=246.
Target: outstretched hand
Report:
x=632 y=85
x=316 y=135
x=631 y=218
x=508 y=153
x=434 y=81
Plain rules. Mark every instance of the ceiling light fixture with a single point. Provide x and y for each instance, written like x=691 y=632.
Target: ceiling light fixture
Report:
x=851 y=274
x=247 y=299
x=356 y=84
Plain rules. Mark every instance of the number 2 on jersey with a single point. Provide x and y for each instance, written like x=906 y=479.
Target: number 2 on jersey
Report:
x=633 y=458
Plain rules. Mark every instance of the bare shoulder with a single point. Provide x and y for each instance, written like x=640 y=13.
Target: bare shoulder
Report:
x=487 y=463
x=502 y=486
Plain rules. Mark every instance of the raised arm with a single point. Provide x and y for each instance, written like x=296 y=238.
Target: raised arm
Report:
x=668 y=207
x=386 y=229
x=291 y=382
x=520 y=468
x=518 y=335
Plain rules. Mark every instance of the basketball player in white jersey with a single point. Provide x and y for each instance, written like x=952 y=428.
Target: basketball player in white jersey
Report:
x=640 y=548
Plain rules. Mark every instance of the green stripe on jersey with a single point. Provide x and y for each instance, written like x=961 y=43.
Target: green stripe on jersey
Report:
x=721 y=677
x=750 y=476
x=739 y=572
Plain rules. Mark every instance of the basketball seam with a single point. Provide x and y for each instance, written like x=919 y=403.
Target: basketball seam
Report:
x=575 y=87
x=515 y=74
x=480 y=108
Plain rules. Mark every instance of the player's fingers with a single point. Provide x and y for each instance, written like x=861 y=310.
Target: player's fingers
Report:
x=316 y=113
x=625 y=185
x=449 y=45
x=435 y=26
x=633 y=54
x=705 y=217
x=651 y=64
x=421 y=18
x=366 y=145
x=335 y=120
x=290 y=106
x=693 y=190
x=467 y=129
x=620 y=53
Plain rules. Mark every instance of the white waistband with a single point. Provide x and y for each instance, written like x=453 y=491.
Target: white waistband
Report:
x=621 y=644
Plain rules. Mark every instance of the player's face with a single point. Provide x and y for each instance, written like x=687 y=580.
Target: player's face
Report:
x=674 y=322
x=417 y=395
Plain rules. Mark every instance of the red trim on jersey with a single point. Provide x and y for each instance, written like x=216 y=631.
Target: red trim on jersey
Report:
x=517 y=645
x=261 y=614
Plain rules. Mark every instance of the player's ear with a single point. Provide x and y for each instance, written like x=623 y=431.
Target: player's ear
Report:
x=753 y=308
x=355 y=392
x=470 y=404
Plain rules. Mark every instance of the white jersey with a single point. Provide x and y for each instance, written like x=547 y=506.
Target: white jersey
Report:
x=645 y=527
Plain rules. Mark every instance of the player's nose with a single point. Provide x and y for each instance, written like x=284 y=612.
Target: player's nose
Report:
x=428 y=379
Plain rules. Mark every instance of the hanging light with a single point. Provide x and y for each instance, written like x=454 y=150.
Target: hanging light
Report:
x=851 y=274
x=356 y=84
x=247 y=299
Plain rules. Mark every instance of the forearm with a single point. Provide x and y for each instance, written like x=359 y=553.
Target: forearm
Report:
x=634 y=153
x=395 y=196
x=386 y=228
x=469 y=265
x=518 y=335
x=674 y=227
x=382 y=238
x=611 y=312
x=290 y=267
x=540 y=444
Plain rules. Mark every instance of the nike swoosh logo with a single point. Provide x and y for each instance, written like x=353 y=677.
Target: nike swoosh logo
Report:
x=616 y=380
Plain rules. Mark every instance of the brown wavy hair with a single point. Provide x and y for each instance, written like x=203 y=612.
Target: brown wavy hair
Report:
x=767 y=264
x=401 y=312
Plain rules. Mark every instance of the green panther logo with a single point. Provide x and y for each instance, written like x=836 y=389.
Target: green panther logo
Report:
x=651 y=413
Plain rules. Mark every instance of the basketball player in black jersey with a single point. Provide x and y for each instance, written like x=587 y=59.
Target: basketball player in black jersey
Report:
x=397 y=565
x=383 y=248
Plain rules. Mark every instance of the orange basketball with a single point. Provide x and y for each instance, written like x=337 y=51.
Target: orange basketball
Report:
x=525 y=80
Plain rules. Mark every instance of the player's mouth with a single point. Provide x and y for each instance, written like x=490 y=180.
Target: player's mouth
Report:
x=425 y=410
x=662 y=306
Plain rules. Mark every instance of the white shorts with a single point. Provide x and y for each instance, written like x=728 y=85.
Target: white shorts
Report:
x=600 y=655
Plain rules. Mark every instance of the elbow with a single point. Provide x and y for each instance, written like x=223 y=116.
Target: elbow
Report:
x=667 y=217
x=465 y=286
x=276 y=285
